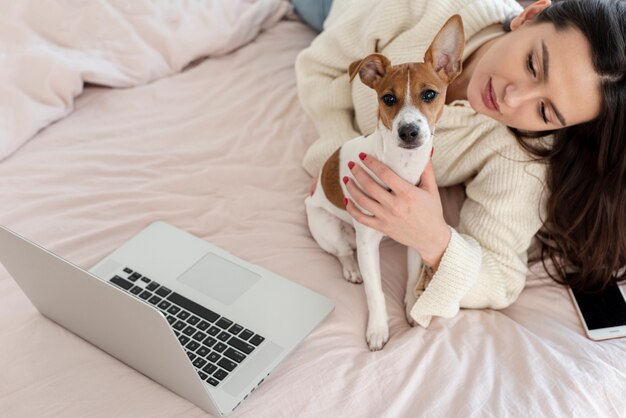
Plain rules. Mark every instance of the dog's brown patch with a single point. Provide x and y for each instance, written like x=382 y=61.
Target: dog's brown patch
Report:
x=331 y=182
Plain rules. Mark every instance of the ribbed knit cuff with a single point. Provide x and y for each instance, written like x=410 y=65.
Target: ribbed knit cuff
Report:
x=457 y=273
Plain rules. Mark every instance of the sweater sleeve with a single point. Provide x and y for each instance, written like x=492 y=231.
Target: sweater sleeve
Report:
x=485 y=263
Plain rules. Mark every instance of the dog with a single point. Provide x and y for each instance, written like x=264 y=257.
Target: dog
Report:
x=411 y=100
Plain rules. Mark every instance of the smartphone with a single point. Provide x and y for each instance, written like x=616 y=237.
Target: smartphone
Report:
x=603 y=314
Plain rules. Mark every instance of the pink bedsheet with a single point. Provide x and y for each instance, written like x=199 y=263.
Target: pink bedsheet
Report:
x=216 y=150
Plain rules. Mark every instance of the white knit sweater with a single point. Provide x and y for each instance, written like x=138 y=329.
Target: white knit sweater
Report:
x=485 y=263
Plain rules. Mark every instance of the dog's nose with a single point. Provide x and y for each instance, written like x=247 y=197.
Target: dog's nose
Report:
x=409 y=132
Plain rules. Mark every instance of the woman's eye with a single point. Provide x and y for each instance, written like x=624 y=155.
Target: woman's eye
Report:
x=389 y=99
x=531 y=65
x=428 y=95
x=542 y=111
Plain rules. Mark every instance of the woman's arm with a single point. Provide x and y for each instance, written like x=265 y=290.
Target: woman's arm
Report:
x=484 y=262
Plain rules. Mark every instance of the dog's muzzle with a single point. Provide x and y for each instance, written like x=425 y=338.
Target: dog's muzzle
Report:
x=409 y=135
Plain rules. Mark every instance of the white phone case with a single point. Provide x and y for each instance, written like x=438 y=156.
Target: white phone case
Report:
x=599 y=334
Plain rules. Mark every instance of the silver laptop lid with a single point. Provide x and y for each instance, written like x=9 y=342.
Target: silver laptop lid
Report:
x=129 y=330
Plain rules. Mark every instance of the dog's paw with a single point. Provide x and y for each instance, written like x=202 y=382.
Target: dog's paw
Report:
x=353 y=276
x=351 y=270
x=377 y=335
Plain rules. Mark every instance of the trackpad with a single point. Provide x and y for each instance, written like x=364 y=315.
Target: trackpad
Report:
x=219 y=278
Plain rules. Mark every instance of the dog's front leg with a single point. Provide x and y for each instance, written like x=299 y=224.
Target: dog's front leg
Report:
x=368 y=250
x=414 y=266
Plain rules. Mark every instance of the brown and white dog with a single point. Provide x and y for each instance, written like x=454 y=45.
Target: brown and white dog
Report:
x=411 y=100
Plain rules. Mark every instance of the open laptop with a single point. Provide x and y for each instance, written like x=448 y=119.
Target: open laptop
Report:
x=191 y=316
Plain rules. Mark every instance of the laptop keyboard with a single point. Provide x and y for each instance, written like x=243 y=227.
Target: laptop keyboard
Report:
x=214 y=344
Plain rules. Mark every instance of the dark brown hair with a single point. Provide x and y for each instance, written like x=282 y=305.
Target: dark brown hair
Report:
x=585 y=226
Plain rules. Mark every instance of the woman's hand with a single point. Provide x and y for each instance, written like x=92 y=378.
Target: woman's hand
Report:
x=411 y=215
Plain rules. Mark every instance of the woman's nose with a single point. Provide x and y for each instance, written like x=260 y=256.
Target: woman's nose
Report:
x=516 y=95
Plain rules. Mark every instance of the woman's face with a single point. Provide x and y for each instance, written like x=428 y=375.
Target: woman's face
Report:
x=537 y=79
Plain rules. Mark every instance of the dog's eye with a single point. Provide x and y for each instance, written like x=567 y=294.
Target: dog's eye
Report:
x=389 y=99
x=428 y=95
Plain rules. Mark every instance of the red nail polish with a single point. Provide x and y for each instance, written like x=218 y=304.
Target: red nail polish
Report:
x=345 y=201
x=362 y=156
x=345 y=180
x=350 y=165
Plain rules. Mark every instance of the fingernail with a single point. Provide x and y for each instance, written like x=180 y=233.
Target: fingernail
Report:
x=345 y=201
x=362 y=156
x=350 y=165
x=432 y=151
x=345 y=180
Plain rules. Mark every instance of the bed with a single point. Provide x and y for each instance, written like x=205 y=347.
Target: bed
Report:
x=215 y=148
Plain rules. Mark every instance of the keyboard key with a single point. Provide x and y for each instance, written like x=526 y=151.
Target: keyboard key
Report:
x=192 y=356
x=183 y=315
x=199 y=336
x=171 y=319
x=256 y=340
x=173 y=309
x=213 y=357
x=246 y=334
x=213 y=382
x=219 y=347
x=152 y=286
x=192 y=306
x=224 y=323
x=164 y=304
x=235 y=355
x=189 y=330
x=183 y=339
x=203 y=351
x=124 y=284
x=136 y=290
x=180 y=325
x=145 y=295
x=241 y=345
x=235 y=329
x=214 y=330
x=193 y=320
x=193 y=345
x=220 y=374
x=209 y=341
x=210 y=368
x=163 y=291
x=202 y=375
x=227 y=364
x=145 y=279
x=127 y=270
x=154 y=300
x=203 y=325
x=133 y=277
x=199 y=362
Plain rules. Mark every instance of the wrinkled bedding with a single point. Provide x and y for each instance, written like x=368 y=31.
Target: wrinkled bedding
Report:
x=216 y=150
x=49 y=49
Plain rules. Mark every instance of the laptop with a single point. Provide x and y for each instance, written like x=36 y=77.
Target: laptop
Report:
x=200 y=321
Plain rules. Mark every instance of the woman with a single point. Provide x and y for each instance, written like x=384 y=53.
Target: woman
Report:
x=557 y=69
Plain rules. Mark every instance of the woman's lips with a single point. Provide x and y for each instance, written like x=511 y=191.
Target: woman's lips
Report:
x=489 y=97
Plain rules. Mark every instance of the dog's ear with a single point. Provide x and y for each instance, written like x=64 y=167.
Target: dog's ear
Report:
x=446 y=51
x=371 y=69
